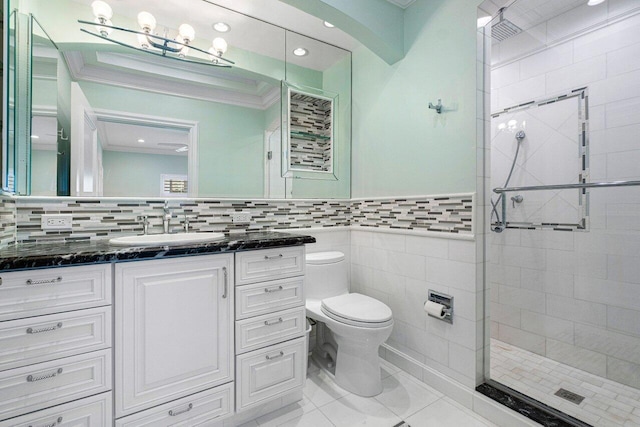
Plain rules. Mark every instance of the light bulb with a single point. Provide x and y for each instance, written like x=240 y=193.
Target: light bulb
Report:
x=104 y=31
x=146 y=21
x=219 y=45
x=101 y=10
x=143 y=41
x=187 y=32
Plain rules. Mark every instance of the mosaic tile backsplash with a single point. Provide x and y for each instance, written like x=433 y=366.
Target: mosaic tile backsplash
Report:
x=103 y=218
x=448 y=214
x=7 y=221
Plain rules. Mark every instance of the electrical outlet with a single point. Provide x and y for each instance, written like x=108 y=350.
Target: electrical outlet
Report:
x=56 y=221
x=241 y=218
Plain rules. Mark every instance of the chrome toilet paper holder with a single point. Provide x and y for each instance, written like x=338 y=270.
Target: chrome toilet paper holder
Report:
x=444 y=299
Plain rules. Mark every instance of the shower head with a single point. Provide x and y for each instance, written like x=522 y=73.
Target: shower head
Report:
x=503 y=29
x=520 y=135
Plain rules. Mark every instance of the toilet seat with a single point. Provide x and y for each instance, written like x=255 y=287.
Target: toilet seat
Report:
x=357 y=310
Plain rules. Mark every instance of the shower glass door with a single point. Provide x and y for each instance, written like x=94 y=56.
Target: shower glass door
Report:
x=563 y=271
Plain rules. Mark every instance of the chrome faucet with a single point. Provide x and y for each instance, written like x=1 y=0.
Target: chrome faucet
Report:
x=144 y=219
x=166 y=218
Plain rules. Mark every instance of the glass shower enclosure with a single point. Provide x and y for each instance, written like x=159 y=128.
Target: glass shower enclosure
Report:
x=563 y=255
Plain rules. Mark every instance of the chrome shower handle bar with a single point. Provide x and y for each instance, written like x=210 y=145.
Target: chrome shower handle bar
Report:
x=578 y=186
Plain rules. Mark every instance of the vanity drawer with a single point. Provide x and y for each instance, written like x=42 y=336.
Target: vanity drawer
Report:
x=193 y=410
x=38 y=339
x=34 y=387
x=263 y=298
x=268 y=373
x=268 y=329
x=54 y=290
x=94 y=411
x=269 y=264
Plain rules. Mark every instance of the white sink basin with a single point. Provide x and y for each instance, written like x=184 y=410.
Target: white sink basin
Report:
x=166 y=239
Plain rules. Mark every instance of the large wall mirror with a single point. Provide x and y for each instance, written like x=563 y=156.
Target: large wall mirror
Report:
x=109 y=120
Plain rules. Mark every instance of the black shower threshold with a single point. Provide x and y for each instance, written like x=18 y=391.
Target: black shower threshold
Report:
x=533 y=409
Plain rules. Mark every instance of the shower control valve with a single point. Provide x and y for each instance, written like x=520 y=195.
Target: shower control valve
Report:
x=516 y=199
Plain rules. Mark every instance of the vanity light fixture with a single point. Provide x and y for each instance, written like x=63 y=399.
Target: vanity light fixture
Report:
x=595 y=2
x=328 y=24
x=160 y=45
x=300 y=51
x=221 y=27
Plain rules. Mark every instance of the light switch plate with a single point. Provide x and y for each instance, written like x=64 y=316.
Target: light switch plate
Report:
x=56 y=221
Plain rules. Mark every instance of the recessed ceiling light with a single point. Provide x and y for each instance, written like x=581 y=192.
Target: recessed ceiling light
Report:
x=595 y=2
x=141 y=141
x=300 y=51
x=328 y=24
x=35 y=137
x=221 y=27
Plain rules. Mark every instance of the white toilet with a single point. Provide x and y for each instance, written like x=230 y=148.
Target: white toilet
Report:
x=358 y=323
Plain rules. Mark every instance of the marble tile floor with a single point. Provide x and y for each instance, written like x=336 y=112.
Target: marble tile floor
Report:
x=606 y=403
x=403 y=399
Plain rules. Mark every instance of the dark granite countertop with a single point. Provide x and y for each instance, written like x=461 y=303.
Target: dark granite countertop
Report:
x=32 y=255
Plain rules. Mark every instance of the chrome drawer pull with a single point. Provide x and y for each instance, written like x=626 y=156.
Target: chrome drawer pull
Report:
x=273 y=257
x=226 y=282
x=277 y=356
x=44 y=281
x=53 y=424
x=273 y=322
x=176 y=413
x=46 y=329
x=34 y=378
x=278 y=289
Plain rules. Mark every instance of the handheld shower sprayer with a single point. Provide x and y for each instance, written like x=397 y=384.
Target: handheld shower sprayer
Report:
x=500 y=223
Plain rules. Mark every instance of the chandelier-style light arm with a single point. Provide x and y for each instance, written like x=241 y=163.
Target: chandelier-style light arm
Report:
x=163 y=45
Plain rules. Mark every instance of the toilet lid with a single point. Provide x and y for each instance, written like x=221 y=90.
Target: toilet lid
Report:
x=356 y=307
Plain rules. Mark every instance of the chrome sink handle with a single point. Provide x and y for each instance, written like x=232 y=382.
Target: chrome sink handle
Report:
x=144 y=219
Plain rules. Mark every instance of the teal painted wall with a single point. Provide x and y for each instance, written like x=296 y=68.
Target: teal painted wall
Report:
x=138 y=174
x=43 y=178
x=400 y=147
x=230 y=143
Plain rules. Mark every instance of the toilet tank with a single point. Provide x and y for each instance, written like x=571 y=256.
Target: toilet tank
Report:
x=326 y=275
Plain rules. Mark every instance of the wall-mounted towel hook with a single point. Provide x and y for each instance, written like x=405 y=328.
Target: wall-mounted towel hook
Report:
x=438 y=107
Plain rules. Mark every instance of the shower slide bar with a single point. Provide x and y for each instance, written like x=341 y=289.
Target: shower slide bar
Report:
x=569 y=186
x=502 y=224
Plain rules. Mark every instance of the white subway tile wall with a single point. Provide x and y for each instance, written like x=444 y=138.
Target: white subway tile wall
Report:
x=399 y=270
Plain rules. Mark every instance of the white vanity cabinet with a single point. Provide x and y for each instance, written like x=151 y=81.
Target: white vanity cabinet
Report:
x=270 y=325
x=174 y=333
x=55 y=346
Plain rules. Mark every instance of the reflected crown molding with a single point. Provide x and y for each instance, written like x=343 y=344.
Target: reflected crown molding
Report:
x=171 y=80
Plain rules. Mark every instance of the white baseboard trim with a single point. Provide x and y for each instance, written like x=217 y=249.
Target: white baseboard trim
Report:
x=469 y=398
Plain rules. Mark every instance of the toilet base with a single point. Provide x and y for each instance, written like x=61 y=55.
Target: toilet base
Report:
x=358 y=368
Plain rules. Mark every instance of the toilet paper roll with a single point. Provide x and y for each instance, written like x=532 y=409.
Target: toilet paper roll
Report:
x=434 y=309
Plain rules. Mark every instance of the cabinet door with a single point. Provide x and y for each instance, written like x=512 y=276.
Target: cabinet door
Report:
x=174 y=329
